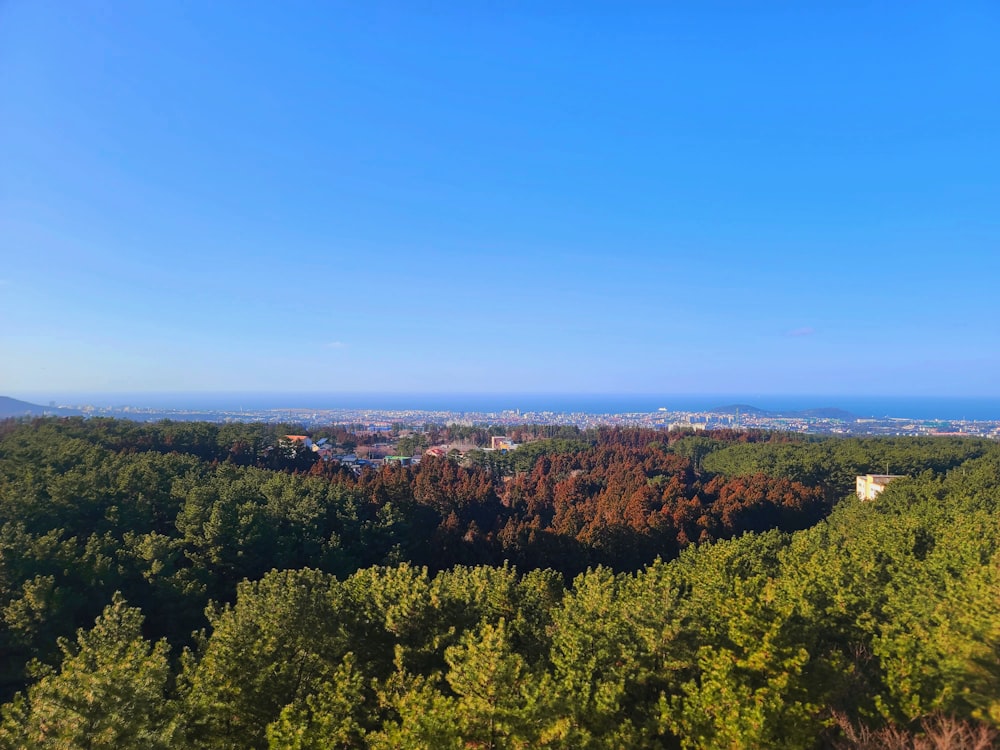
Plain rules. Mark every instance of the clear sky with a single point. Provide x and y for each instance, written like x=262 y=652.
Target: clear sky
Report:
x=504 y=196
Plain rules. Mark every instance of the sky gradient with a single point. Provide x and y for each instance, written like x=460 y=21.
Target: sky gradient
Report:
x=523 y=197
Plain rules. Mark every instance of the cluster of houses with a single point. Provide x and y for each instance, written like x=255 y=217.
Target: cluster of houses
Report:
x=328 y=452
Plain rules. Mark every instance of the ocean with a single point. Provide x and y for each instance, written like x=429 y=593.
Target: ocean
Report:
x=911 y=407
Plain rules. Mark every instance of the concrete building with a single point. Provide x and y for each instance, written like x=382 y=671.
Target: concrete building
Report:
x=501 y=443
x=869 y=486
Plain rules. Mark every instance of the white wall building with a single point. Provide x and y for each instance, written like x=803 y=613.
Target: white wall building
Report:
x=870 y=485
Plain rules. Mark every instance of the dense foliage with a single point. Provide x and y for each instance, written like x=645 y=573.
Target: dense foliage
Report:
x=199 y=585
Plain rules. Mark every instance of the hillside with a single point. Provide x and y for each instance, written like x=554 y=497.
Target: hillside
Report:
x=12 y=407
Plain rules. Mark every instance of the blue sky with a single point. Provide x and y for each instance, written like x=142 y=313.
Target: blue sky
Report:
x=524 y=197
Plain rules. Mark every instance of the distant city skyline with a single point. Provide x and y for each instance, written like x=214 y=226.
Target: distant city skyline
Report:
x=968 y=417
x=976 y=408
x=586 y=199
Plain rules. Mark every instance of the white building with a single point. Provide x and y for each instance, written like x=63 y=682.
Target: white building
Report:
x=870 y=485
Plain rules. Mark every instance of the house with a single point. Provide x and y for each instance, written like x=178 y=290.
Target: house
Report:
x=400 y=460
x=870 y=485
x=502 y=443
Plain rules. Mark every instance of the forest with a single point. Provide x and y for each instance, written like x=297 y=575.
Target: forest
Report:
x=197 y=585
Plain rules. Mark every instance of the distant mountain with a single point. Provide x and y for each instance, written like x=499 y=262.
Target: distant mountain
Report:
x=11 y=407
x=828 y=412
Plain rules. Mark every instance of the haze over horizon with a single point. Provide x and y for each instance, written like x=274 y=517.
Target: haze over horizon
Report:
x=357 y=198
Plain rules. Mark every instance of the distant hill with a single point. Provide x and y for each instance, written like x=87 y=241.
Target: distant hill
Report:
x=828 y=412
x=12 y=407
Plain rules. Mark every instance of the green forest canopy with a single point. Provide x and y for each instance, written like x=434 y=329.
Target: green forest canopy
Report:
x=189 y=585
